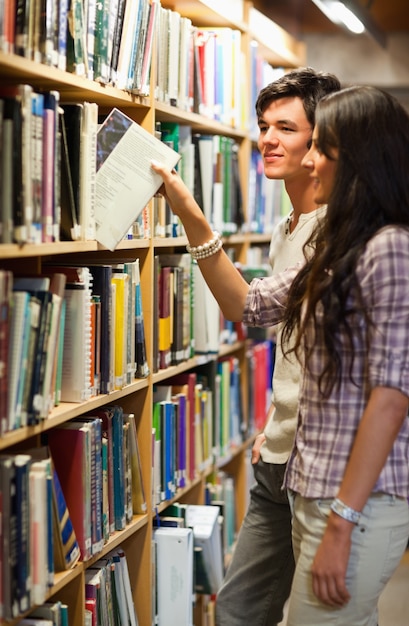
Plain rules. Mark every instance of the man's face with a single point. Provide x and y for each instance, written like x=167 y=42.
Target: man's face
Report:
x=284 y=138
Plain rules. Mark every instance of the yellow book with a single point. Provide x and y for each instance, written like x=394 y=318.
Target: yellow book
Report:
x=120 y=327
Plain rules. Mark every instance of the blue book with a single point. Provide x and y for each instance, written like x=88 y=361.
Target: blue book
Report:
x=66 y=548
x=181 y=439
x=119 y=469
x=167 y=412
x=95 y=427
x=23 y=576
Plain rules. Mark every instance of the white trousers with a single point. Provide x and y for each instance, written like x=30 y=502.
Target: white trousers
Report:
x=378 y=543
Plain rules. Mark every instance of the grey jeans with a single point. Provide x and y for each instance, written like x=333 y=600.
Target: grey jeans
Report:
x=258 y=580
x=377 y=545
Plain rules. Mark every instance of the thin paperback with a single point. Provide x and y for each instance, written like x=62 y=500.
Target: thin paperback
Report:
x=125 y=180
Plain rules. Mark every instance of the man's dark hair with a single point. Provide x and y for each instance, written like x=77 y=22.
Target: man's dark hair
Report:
x=305 y=83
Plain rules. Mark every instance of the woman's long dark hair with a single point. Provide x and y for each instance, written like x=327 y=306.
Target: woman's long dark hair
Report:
x=370 y=131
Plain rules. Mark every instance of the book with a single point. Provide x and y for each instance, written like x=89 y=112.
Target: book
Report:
x=121 y=562
x=186 y=383
x=94 y=426
x=125 y=181
x=120 y=327
x=206 y=315
x=66 y=548
x=139 y=505
x=141 y=359
x=39 y=288
x=77 y=60
x=67 y=442
x=174 y=575
x=38 y=531
x=76 y=366
x=69 y=226
x=182 y=347
x=102 y=286
x=22 y=572
x=50 y=166
x=17 y=362
x=48 y=611
x=37 y=132
x=204 y=520
x=165 y=327
x=11 y=175
x=70 y=123
x=88 y=161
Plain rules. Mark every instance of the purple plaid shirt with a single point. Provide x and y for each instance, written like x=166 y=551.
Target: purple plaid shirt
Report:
x=327 y=426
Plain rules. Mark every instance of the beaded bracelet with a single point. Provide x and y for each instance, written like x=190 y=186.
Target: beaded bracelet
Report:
x=345 y=511
x=206 y=249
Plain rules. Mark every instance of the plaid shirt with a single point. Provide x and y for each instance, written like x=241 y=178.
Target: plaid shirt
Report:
x=327 y=426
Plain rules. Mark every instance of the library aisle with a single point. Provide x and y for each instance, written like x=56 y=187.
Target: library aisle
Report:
x=394 y=601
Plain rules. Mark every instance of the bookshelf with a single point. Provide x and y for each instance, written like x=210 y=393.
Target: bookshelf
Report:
x=137 y=397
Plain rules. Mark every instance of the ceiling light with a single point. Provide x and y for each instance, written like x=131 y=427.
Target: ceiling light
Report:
x=351 y=16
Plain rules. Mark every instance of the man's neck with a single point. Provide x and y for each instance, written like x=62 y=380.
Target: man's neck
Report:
x=301 y=197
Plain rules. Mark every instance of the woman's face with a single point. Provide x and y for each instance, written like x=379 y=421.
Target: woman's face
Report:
x=322 y=169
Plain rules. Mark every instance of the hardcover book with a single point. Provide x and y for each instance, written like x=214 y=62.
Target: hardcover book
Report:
x=125 y=180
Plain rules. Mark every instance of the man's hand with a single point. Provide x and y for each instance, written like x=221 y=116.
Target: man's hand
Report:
x=255 y=451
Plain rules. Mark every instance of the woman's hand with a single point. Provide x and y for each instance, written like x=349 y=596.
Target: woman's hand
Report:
x=331 y=561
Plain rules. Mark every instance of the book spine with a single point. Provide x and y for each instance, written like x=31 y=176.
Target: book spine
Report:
x=22 y=466
x=64 y=530
x=119 y=472
x=49 y=155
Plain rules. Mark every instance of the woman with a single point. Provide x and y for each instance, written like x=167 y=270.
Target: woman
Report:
x=348 y=310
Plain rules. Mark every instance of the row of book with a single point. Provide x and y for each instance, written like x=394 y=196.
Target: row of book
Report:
x=51 y=613
x=66 y=172
x=200 y=69
x=108 y=592
x=209 y=167
x=110 y=41
x=196 y=424
x=103 y=489
x=36 y=535
x=49 y=156
x=55 y=512
x=66 y=335
x=108 y=597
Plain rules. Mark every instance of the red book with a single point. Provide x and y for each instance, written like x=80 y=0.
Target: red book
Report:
x=260 y=384
x=70 y=450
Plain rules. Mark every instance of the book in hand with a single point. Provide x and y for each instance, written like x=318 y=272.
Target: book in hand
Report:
x=125 y=180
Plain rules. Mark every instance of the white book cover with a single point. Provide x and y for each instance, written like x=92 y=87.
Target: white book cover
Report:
x=206 y=323
x=174 y=575
x=125 y=181
x=204 y=520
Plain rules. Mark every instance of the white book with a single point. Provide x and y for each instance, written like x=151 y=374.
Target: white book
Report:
x=174 y=574
x=38 y=531
x=76 y=381
x=129 y=603
x=17 y=361
x=88 y=160
x=204 y=520
x=127 y=42
x=125 y=180
x=206 y=322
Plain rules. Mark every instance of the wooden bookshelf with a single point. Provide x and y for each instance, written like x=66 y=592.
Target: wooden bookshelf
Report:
x=138 y=396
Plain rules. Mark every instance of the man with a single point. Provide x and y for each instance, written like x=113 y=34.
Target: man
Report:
x=258 y=580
